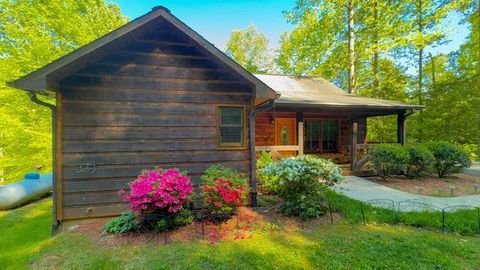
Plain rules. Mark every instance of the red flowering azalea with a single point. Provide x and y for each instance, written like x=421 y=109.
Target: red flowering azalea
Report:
x=223 y=196
x=159 y=189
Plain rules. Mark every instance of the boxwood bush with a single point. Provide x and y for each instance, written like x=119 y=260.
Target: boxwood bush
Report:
x=448 y=158
x=127 y=222
x=214 y=172
x=300 y=182
x=420 y=162
x=389 y=159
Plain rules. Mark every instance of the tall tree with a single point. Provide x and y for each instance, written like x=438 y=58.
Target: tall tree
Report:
x=392 y=82
x=352 y=84
x=32 y=34
x=339 y=40
x=453 y=101
x=425 y=17
x=381 y=30
x=250 y=49
x=468 y=60
x=322 y=42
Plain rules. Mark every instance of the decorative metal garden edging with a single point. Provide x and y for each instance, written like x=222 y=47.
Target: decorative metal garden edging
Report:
x=457 y=218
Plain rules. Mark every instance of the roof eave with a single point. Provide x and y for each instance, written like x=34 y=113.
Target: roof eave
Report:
x=39 y=79
x=351 y=106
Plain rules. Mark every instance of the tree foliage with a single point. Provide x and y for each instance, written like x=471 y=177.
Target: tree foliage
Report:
x=250 y=49
x=32 y=34
x=392 y=38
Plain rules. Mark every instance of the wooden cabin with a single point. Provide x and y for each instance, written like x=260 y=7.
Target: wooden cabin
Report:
x=156 y=93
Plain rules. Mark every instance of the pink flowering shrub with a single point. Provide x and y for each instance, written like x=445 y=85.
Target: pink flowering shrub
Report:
x=164 y=191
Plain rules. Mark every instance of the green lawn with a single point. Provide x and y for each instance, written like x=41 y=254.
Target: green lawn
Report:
x=25 y=243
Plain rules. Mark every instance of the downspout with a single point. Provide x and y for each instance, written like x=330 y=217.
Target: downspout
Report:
x=405 y=115
x=34 y=98
x=410 y=113
x=253 y=159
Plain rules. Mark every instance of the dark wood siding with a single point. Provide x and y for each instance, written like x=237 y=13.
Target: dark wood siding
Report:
x=152 y=103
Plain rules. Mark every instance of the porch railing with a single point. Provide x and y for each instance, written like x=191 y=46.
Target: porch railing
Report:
x=361 y=156
x=274 y=150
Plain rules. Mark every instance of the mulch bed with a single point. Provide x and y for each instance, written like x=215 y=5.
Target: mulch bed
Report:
x=459 y=184
x=242 y=226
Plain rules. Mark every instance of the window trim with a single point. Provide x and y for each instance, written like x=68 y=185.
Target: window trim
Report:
x=229 y=146
x=321 y=135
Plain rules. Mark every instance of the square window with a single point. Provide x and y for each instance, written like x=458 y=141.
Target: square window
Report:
x=231 y=126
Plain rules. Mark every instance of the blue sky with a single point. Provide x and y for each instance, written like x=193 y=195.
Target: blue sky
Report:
x=215 y=19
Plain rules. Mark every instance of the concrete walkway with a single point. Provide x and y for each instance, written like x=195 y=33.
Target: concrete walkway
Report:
x=364 y=190
x=473 y=170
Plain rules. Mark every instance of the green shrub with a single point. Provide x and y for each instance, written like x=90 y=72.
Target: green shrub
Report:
x=420 y=162
x=183 y=218
x=127 y=222
x=214 y=172
x=303 y=207
x=389 y=159
x=448 y=158
x=300 y=182
x=266 y=183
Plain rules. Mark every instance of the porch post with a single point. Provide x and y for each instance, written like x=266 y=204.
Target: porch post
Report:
x=300 y=132
x=300 y=138
x=401 y=128
x=353 y=145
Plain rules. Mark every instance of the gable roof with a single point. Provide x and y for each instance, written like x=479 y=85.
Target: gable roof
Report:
x=318 y=92
x=45 y=78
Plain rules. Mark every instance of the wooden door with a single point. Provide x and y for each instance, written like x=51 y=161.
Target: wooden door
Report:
x=286 y=134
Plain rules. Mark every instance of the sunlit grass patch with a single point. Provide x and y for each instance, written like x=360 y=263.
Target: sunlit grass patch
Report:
x=25 y=243
x=24 y=232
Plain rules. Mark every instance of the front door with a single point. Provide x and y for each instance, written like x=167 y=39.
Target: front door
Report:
x=286 y=134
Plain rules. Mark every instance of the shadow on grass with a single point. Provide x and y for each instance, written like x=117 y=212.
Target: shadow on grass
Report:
x=317 y=246
x=25 y=243
x=326 y=247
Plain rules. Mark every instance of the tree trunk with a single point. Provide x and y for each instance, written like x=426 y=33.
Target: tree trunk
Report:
x=420 y=76
x=432 y=62
x=477 y=20
x=376 y=80
x=420 y=68
x=352 y=87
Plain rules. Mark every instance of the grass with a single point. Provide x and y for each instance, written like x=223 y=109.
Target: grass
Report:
x=25 y=243
x=462 y=221
x=23 y=233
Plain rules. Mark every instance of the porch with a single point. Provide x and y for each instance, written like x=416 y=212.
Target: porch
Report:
x=333 y=135
x=313 y=116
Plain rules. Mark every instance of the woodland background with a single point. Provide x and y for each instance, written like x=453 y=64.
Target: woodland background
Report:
x=365 y=47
